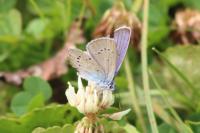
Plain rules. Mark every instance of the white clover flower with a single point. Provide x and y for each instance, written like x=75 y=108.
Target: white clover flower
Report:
x=89 y=100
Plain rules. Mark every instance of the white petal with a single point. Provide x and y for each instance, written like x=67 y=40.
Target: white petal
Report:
x=81 y=106
x=118 y=115
x=71 y=95
x=80 y=85
x=107 y=99
x=90 y=130
x=90 y=105
x=81 y=91
x=96 y=98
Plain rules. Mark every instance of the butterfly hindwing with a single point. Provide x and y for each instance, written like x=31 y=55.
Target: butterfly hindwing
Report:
x=103 y=50
x=86 y=65
x=122 y=38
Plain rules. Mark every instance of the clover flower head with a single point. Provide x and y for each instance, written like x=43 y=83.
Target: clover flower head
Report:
x=89 y=99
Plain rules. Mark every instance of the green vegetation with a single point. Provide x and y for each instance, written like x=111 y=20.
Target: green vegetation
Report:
x=159 y=79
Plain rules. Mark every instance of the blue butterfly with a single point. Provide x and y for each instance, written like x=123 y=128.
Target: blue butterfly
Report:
x=103 y=58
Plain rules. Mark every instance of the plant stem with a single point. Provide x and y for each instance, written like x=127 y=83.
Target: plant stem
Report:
x=145 y=78
x=185 y=79
x=186 y=99
x=40 y=13
x=137 y=4
x=132 y=90
x=184 y=128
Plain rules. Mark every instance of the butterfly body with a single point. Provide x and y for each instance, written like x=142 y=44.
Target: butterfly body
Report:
x=105 y=85
x=103 y=58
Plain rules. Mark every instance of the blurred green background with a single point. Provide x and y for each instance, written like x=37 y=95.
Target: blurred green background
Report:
x=34 y=71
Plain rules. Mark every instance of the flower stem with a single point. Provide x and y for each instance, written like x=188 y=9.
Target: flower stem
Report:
x=132 y=90
x=145 y=78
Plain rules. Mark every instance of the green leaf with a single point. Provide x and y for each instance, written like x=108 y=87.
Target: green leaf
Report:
x=37 y=27
x=158 y=21
x=36 y=85
x=192 y=4
x=49 y=116
x=20 y=101
x=165 y=128
x=6 y=5
x=10 y=24
x=36 y=101
x=45 y=6
x=180 y=75
x=186 y=59
x=194 y=122
x=68 y=128
x=118 y=126
x=112 y=127
x=53 y=115
x=37 y=91
x=10 y=125
x=55 y=129
x=130 y=128
x=24 y=101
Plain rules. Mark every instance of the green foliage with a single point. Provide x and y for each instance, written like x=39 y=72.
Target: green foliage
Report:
x=22 y=100
x=165 y=128
x=6 y=5
x=10 y=26
x=118 y=127
x=55 y=129
x=186 y=59
x=35 y=85
x=159 y=25
x=37 y=27
x=49 y=116
x=34 y=30
x=36 y=92
x=194 y=122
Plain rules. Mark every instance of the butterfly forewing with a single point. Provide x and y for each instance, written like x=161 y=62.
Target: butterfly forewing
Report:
x=122 y=38
x=86 y=66
x=103 y=50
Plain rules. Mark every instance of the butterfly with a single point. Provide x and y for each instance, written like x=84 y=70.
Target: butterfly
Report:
x=102 y=59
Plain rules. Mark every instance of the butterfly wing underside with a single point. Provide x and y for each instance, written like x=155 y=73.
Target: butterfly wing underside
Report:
x=86 y=66
x=122 y=38
x=103 y=50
